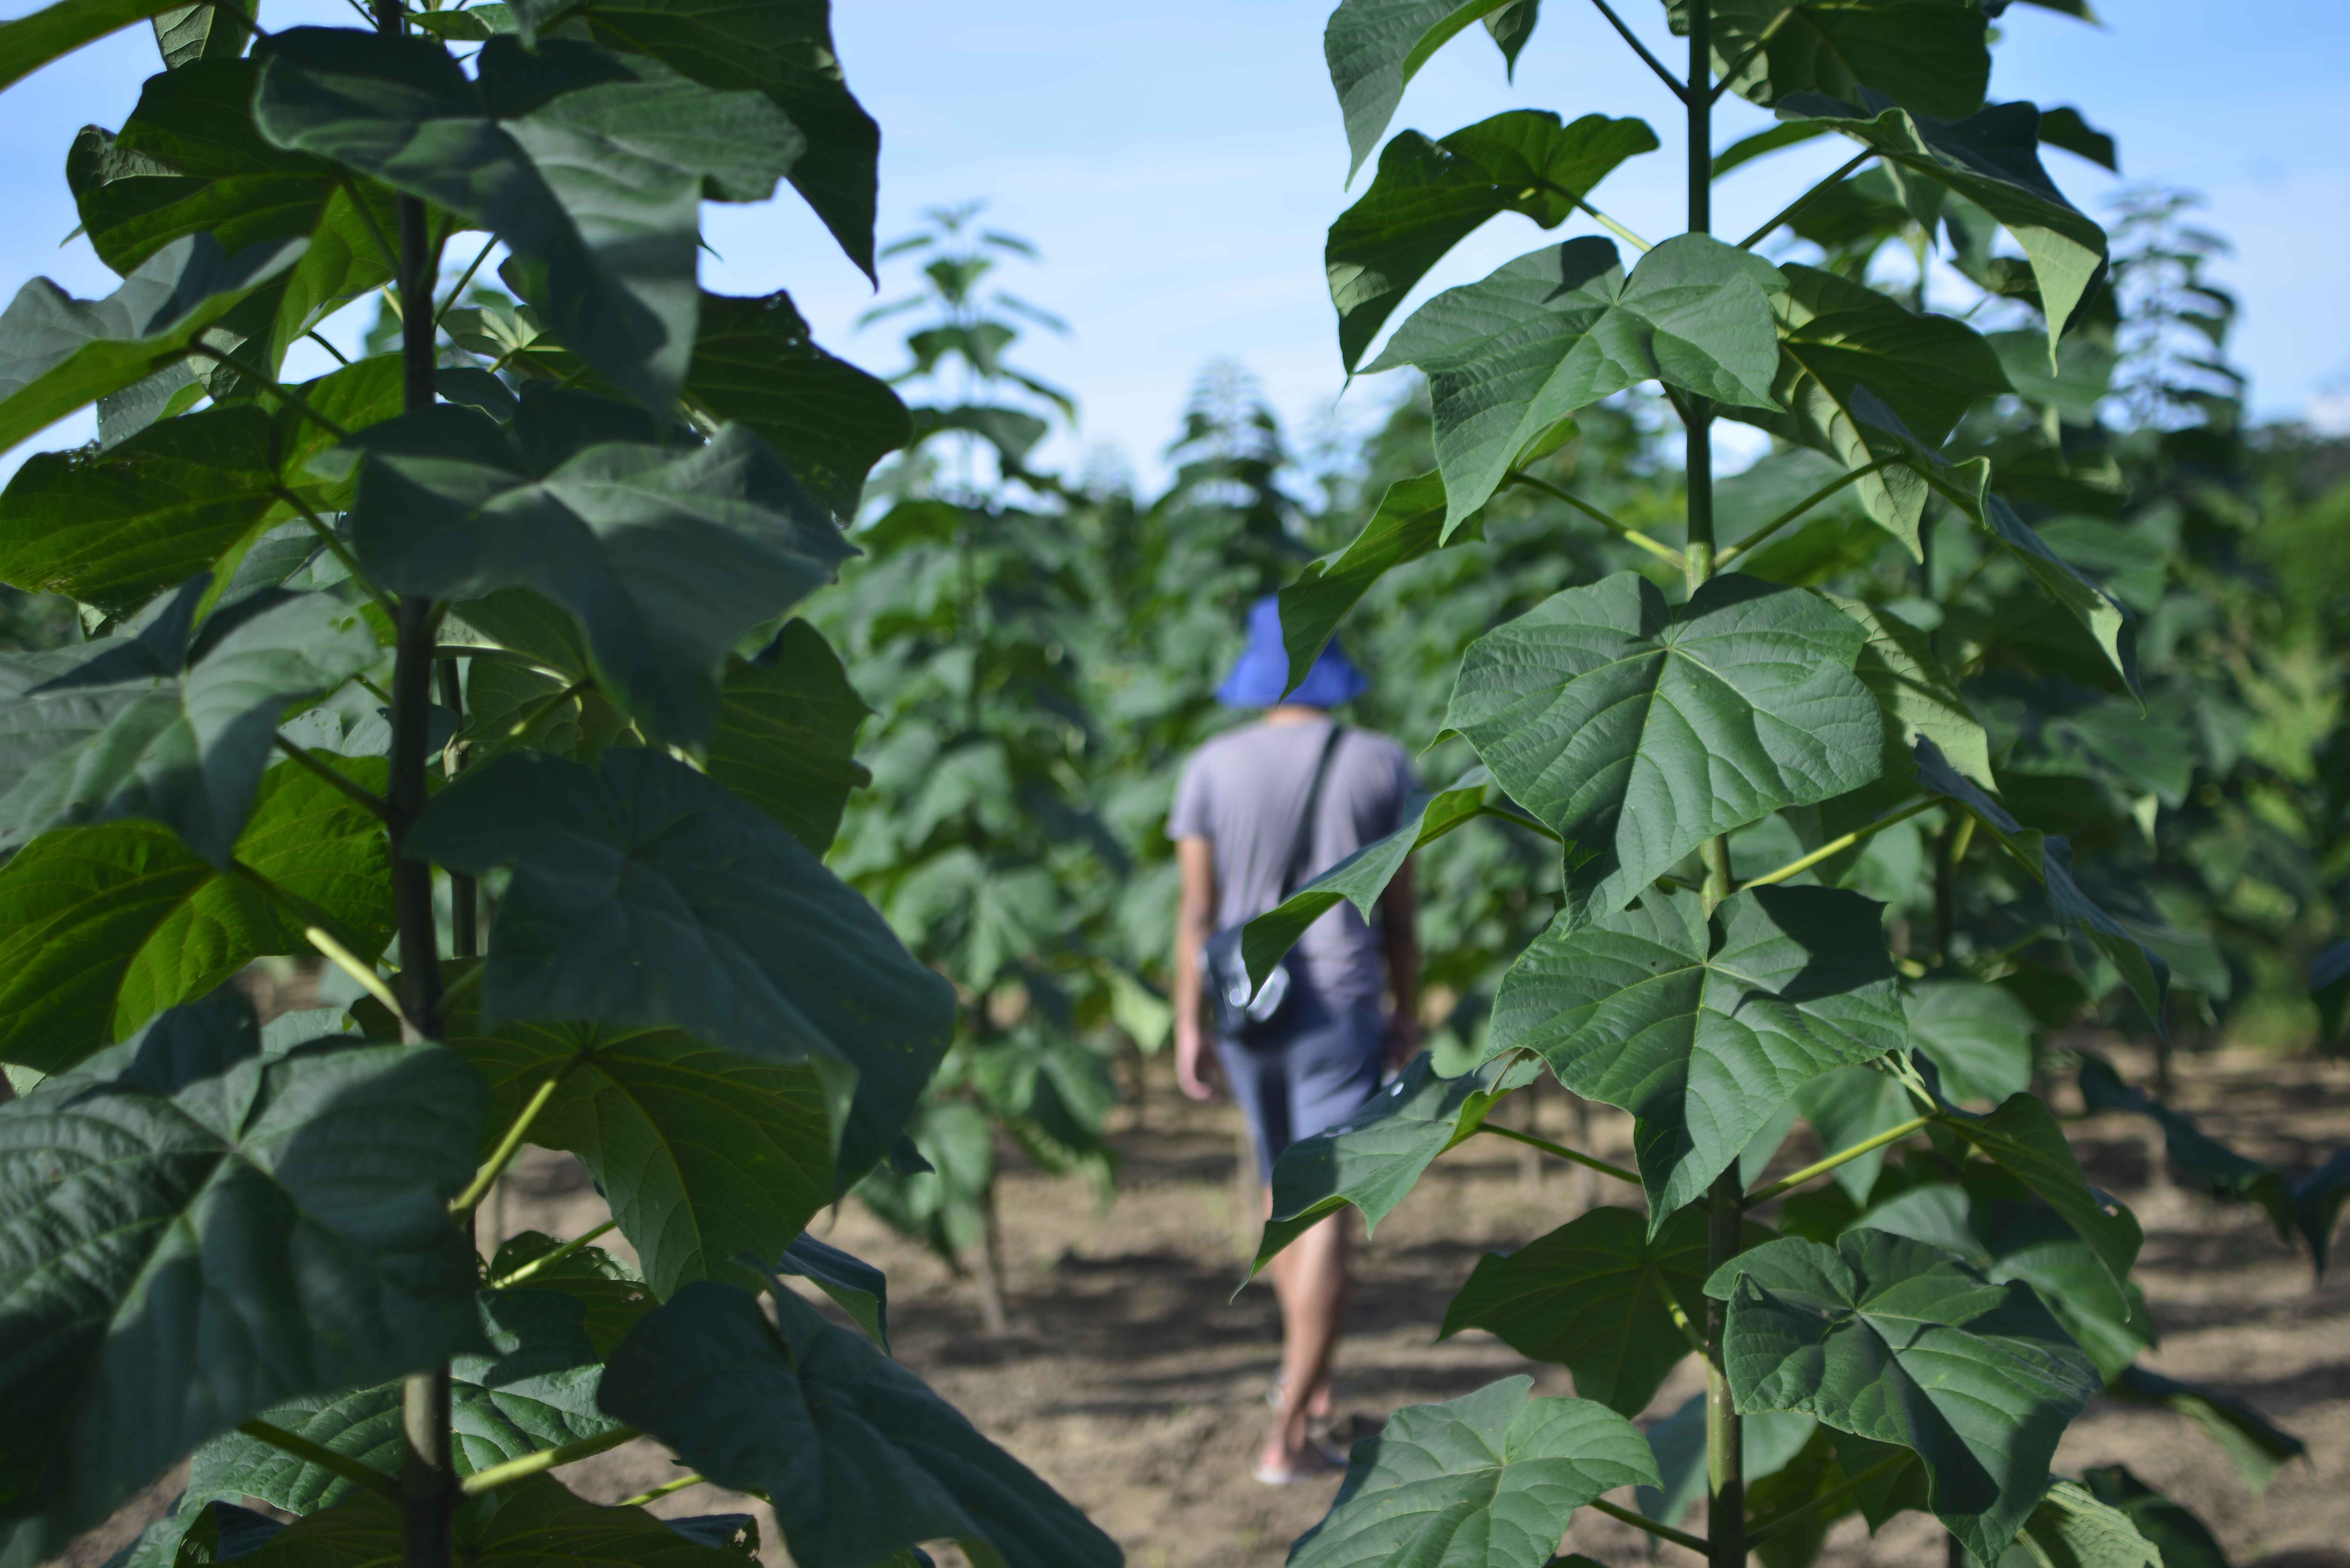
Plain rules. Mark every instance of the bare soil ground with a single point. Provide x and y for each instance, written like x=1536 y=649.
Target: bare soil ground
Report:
x=1133 y=1381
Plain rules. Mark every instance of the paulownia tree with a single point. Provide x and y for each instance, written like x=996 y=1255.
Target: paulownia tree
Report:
x=1777 y=704
x=507 y=609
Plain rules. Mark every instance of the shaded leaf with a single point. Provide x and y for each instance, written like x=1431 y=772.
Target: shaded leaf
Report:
x=1366 y=45
x=1637 y=730
x=1896 y=1341
x=534 y=1523
x=786 y=734
x=2071 y=1528
x=58 y=354
x=1429 y=195
x=1486 y=1481
x=1771 y=1441
x=1372 y=1159
x=1407 y=524
x=164 y=724
x=190 y=1232
x=612 y=1294
x=28 y=42
x=646 y=896
x=106 y=927
x=859 y=1288
x=861 y=1459
x=1590 y=1296
x=2181 y=1539
x=1978 y=1034
x=666 y=555
x=1928 y=53
x=754 y=364
x=1703 y=1029
x=203 y=32
x=1508 y=358
x=2259 y=1446
x=1915 y=693
x=2211 y=1165
x=2317 y=1200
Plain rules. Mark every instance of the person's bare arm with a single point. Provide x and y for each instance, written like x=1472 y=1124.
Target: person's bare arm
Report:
x=1399 y=942
x=1195 y=922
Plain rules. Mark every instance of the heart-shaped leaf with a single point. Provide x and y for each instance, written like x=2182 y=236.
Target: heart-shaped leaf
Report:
x=1703 y=1029
x=107 y=926
x=1897 y=1342
x=58 y=354
x=1637 y=729
x=647 y=896
x=1508 y=358
x=861 y=1459
x=1932 y=55
x=1370 y=46
x=164 y=724
x=1428 y=196
x=190 y=1232
x=666 y=555
x=1593 y=1296
x=1486 y=1481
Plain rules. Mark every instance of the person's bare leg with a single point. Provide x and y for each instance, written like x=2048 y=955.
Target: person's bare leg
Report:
x=1317 y=1399
x=1312 y=1291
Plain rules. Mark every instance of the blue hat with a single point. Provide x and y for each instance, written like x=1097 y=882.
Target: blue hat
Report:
x=1260 y=678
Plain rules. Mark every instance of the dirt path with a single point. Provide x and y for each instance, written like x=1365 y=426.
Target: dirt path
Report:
x=1132 y=1381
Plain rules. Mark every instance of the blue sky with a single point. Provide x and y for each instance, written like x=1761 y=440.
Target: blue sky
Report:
x=1178 y=164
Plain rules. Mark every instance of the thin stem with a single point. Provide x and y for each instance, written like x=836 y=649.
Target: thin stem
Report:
x=1725 y=1437
x=1836 y=847
x=1561 y=1150
x=1680 y=1319
x=340 y=358
x=1642 y=1521
x=324 y=1458
x=464 y=891
x=539 y=1463
x=301 y=754
x=1826 y=1499
x=1799 y=508
x=547 y=1260
x=343 y=958
x=292 y=398
x=341 y=551
x=1665 y=553
x=1842 y=1157
x=508 y=1145
x=1762 y=41
x=1807 y=199
x=1641 y=49
x=1528 y=823
x=692 y=1477
x=462 y=279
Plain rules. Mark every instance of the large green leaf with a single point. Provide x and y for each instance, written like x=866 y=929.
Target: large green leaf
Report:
x=782 y=48
x=535 y=1523
x=1978 y=1034
x=190 y=1232
x=1703 y=1029
x=165 y=725
x=1992 y=159
x=58 y=354
x=2218 y=1169
x=1407 y=524
x=1844 y=344
x=115 y=526
x=28 y=42
x=1591 y=1296
x=754 y=363
x=1897 y=1342
x=860 y=1458
x=786 y=734
x=1428 y=196
x=666 y=555
x=2181 y=1540
x=1931 y=54
x=590 y=165
x=1362 y=877
x=646 y=896
x=1486 y=1481
x=1637 y=729
x=1368 y=46
x=1508 y=358
x=702 y=1152
x=105 y=927
x=533 y=1388
x=2072 y=1528
x=1917 y=694
x=1372 y=1159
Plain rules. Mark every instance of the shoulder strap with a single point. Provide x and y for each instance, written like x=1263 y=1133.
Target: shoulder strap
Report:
x=1300 y=844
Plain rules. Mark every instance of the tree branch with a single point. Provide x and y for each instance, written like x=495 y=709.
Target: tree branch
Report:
x=276 y=387
x=547 y=1260
x=1561 y=1151
x=1641 y=49
x=1806 y=200
x=502 y=1156
x=1641 y=1521
x=1842 y=1157
x=1836 y=847
x=1664 y=553
x=546 y=1460
x=1800 y=507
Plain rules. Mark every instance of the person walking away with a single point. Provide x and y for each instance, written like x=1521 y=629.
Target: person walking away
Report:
x=1260 y=810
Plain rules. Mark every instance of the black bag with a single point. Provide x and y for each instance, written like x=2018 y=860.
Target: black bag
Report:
x=1233 y=1012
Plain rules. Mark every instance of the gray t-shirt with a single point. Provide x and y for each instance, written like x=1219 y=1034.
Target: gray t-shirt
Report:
x=1242 y=792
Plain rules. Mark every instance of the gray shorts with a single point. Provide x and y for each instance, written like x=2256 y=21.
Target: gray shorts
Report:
x=1317 y=1070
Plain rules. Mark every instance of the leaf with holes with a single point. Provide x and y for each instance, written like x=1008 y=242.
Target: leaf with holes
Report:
x=1486 y=1481
x=1637 y=730
x=1508 y=358
x=1703 y=1029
